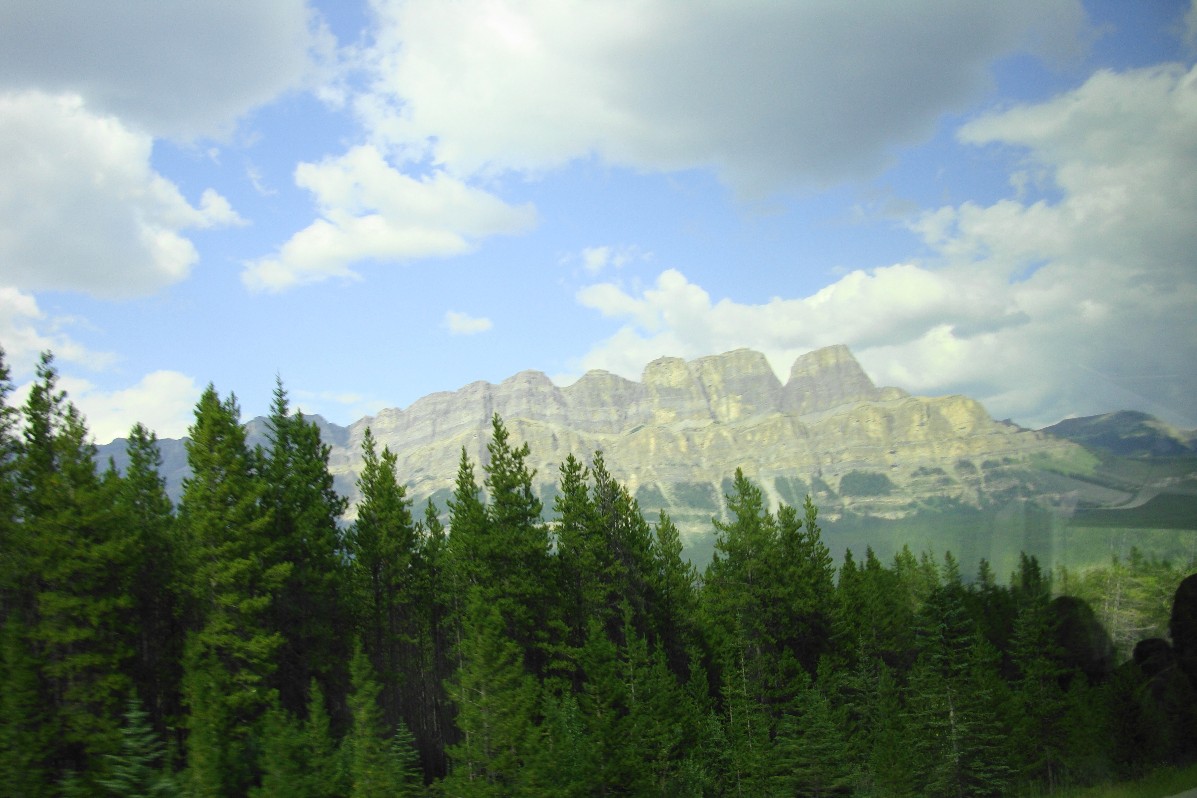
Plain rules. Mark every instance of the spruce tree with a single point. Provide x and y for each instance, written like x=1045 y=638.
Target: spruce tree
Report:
x=497 y=703
x=11 y=599
x=432 y=721
x=310 y=611
x=583 y=563
x=27 y=738
x=804 y=586
x=675 y=585
x=383 y=547
x=738 y=591
x=26 y=732
x=158 y=585
x=811 y=754
x=230 y=658
x=76 y=563
x=1039 y=698
x=627 y=539
x=956 y=699
x=140 y=769
x=515 y=555
x=299 y=757
x=380 y=762
x=891 y=768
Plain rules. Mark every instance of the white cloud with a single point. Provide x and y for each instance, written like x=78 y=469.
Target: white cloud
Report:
x=464 y=324
x=1042 y=308
x=769 y=95
x=82 y=209
x=596 y=259
x=164 y=401
x=371 y=211
x=172 y=69
x=26 y=331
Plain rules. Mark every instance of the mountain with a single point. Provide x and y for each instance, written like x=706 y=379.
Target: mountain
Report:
x=1127 y=434
x=676 y=437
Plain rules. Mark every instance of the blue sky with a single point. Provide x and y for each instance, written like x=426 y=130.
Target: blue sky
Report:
x=378 y=201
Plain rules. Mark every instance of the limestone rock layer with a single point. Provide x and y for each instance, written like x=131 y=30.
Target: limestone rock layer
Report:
x=677 y=436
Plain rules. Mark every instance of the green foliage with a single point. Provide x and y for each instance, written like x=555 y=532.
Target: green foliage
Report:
x=509 y=656
x=73 y=565
x=140 y=769
x=299 y=758
x=309 y=608
x=232 y=655
x=382 y=544
x=497 y=703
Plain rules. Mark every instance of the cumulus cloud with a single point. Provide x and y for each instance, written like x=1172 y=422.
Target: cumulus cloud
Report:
x=171 y=69
x=163 y=401
x=464 y=324
x=1041 y=307
x=26 y=331
x=770 y=95
x=81 y=208
x=864 y=309
x=371 y=211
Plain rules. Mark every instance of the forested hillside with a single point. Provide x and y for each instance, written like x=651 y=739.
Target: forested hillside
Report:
x=246 y=643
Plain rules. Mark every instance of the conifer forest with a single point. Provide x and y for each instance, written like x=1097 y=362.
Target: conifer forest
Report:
x=249 y=641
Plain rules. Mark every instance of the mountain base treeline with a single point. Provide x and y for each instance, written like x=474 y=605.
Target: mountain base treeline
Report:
x=245 y=643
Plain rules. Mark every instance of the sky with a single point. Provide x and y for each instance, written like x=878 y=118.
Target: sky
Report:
x=376 y=201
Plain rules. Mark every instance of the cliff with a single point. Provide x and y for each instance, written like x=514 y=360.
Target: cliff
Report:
x=676 y=437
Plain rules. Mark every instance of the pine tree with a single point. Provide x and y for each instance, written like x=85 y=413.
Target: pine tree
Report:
x=380 y=764
x=76 y=563
x=956 y=699
x=675 y=585
x=309 y=610
x=26 y=730
x=1039 y=698
x=516 y=551
x=383 y=546
x=140 y=769
x=299 y=757
x=804 y=586
x=497 y=703
x=230 y=658
x=157 y=581
x=811 y=752
x=738 y=590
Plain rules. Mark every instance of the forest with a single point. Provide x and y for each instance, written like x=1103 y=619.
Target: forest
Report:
x=252 y=642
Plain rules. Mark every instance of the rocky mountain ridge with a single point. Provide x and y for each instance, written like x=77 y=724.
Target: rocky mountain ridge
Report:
x=677 y=436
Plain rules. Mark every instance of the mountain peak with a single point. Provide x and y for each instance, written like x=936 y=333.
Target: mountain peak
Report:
x=829 y=377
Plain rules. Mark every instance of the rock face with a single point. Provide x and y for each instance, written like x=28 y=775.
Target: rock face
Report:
x=828 y=378
x=677 y=436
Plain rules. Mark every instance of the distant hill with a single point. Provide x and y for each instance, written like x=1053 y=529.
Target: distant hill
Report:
x=1127 y=434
